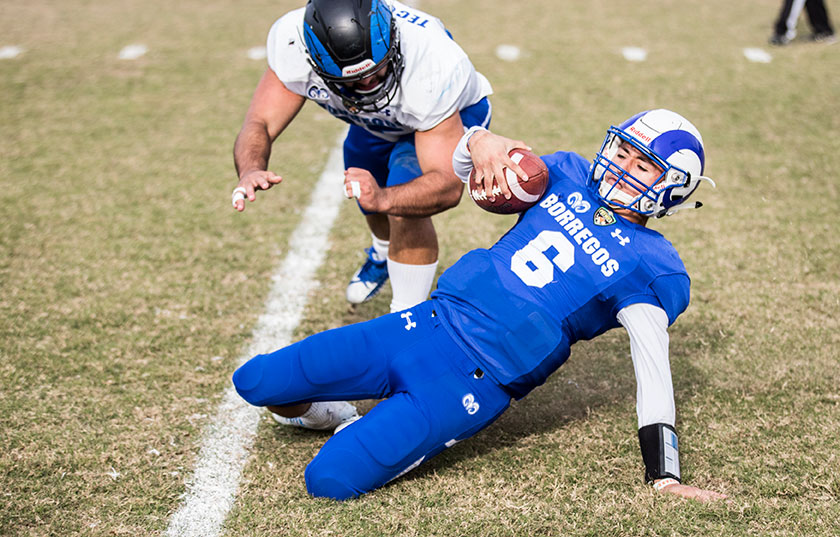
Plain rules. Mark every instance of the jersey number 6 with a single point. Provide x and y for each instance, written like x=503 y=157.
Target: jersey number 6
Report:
x=534 y=267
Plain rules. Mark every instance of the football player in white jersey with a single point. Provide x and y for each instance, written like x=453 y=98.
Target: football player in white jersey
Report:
x=407 y=90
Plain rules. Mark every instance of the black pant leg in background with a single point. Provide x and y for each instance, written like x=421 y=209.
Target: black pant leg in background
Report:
x=818 y=16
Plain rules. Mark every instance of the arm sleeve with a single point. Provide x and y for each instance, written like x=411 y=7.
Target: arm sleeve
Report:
x=461 y=160
x=647 y=326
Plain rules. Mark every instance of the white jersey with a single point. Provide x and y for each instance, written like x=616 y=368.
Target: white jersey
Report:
x=438 y=79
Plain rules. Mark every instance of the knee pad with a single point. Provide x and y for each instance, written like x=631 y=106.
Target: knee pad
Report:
x=338 y=474
x=396 y=434
x=323 y=357
x=390 y=440
x=248 y=377
x=263 y=379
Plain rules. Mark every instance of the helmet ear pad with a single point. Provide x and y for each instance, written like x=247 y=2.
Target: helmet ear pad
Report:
x=674 y=189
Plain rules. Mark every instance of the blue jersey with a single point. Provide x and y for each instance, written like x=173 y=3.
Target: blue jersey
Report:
x=561 y=274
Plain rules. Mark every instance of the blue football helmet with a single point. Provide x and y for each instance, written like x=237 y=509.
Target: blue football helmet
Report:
x=668 y=140
x=348 y=40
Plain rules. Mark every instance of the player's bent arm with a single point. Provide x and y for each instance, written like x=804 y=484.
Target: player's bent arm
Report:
x=647 y=326
x=438 y=189
x=272 y=108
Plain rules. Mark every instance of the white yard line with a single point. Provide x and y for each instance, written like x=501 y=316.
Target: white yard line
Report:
x=228 y=436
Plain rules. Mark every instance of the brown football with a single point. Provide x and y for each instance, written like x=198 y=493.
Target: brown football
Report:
x=525 y=194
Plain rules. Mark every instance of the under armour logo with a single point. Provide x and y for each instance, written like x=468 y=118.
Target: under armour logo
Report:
x=577 y=203
x=621 y=240
x=470 y=404
x=409 y=324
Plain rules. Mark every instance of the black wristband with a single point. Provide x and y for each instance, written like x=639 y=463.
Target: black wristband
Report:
x=660 y=451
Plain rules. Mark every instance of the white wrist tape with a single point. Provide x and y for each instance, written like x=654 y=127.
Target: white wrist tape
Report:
x=461 y=160
x=662 y=483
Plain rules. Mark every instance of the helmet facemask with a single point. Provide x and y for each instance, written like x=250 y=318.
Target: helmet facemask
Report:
x=376 y=98
x=342 y=56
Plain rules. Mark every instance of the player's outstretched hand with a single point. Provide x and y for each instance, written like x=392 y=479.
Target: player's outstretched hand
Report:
x=249 y=184
x=360 y=184
x=693 y=493
x=489 y=153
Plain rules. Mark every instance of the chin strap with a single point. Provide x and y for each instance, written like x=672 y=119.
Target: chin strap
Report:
x=675 y=210
x=695 y=205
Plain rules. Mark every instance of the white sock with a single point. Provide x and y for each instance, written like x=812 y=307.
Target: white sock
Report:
x=410 y=283
x=380 y=248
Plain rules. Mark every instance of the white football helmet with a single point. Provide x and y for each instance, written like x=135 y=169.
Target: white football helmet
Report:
x=671 y=142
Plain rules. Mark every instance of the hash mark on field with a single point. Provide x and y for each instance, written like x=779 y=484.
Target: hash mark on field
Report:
x=9 y=52
x=757 y=55
x=508 y=53
x=634 y=54
x=132 y=52
x=257 y=53
x=229 y=434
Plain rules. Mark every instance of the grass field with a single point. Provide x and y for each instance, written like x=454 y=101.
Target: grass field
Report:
x=129 y=287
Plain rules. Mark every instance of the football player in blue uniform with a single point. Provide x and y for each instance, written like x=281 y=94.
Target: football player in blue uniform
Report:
x=407 y=90
x=578 y=263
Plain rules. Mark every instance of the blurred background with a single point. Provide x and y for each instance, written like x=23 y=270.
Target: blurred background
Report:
x=129 y=288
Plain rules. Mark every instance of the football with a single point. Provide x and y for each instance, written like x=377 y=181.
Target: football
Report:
x=524 y=193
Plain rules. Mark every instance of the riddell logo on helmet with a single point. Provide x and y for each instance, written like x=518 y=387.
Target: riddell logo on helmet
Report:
x=358 y=68
x=640 y=134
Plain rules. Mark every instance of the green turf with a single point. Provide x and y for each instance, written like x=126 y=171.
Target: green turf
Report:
x=130 y=287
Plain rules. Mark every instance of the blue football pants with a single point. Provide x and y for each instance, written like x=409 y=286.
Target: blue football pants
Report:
x=435 y=396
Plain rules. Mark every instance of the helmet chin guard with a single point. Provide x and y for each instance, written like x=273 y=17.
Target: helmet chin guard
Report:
x=668 y=140
x=350 y=40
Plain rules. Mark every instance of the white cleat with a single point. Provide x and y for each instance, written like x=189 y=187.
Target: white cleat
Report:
x=349 y=421
x=321 y=416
